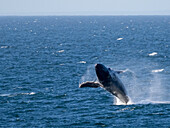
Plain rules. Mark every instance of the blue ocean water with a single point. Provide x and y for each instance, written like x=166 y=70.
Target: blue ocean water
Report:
x=44 y=59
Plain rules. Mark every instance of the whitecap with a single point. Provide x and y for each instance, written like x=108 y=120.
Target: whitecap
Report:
x=35 y=21
x=4 y=95
x=82 y=62
x=153 y=54
x=158 y=70
x=119 y=38
x=31 y=93
x=4 y=46
x=61 y=51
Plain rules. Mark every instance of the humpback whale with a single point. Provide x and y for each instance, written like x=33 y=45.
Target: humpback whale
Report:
x=108 y=80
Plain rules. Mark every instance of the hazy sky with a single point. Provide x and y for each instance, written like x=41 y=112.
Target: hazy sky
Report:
x=84 y=7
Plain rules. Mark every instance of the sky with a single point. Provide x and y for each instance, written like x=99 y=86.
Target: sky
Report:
x=84 y=7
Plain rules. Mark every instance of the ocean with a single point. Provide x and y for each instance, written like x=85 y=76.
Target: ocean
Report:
x=43 y=59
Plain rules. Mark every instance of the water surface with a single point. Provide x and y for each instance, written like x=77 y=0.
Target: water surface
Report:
x=43 y=60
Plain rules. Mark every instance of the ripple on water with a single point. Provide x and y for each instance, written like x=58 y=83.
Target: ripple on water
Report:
x=42 y=60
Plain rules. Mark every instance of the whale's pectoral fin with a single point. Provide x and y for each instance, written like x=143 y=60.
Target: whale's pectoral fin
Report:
x=118 y=72
x=89 y=84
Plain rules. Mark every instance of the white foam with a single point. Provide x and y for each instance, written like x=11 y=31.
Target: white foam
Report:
x=119 y=38
x=61 y=51
x=158 y=70
x=160 y=102
x=4 y=95
x=153 y=54
x=82 y=62
x=31 y=93
x=15 y=94
x=119 y=102
x=89 y=75
x=152 y=102
x=4 y=46
x=35 y=20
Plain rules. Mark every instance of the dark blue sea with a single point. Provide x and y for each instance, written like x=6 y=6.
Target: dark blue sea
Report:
x=44 y=59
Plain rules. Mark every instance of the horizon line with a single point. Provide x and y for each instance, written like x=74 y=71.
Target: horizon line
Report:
x=85 y=15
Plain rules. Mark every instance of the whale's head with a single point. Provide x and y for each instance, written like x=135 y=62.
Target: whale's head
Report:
x=102 y=72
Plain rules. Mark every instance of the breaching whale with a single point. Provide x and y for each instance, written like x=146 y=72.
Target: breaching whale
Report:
x=108 y=80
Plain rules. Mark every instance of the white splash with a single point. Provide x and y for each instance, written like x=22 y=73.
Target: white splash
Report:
x=152 y=102
x=89 y=75
x=140 y=89
x=158 y=70
x=117 y=101
x=153 y=54
x=154 y=93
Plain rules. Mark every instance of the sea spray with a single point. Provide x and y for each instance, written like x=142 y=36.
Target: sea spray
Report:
x=156 y=89
x=141 y=89
x=117 y=101
x=130 y=81
x=89 y=75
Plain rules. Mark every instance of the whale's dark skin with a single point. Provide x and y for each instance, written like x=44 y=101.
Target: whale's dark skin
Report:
x=109 y=81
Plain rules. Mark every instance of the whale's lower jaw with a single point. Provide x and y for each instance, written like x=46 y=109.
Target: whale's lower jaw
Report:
x=117 y=93
x=124 y=98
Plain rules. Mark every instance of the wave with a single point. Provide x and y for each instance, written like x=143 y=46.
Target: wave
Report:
x=158 y=70
x=118 y=102
x=16 y=94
